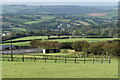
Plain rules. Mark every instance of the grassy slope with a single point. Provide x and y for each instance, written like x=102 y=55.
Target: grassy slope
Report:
x=82 y=22
x=59 y=70
x=86 y=39
x=59 y=40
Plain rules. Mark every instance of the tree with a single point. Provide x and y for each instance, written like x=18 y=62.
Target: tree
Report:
x=112 y=48
x=45 y=44
x=66 y=45
x=80 y=45
x=96 y=48
x=35 y=43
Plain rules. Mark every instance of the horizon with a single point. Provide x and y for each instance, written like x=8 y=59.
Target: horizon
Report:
x=63 y=3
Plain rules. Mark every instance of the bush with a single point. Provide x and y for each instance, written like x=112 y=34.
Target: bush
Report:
x=80 y=46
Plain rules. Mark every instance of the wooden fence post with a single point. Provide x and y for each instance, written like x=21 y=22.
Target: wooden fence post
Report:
x=65 y=59
x=84 y=60
x=17 y=59
x=3 y=59
x=34 y=58
x=56 y=60
x=75 y=60
x=45 y=59
x=93 y=59
x=102 y=60
x=23 y=58
x=51 y=57
x=109 y=60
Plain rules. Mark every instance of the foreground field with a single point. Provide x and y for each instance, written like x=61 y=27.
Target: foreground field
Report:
x=39 y=69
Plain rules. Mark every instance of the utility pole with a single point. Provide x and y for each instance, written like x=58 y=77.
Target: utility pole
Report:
x=11 y=44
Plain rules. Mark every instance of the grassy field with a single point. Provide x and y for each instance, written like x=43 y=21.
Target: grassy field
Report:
x=40 y=69
x=59 y=40
x=18 y=29
x=30 y=38
x=31 y=22
x=63 y=20
x=82 y=22
x=84 y=39
x=19 y=43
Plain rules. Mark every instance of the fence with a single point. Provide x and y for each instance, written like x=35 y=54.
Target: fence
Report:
x=57 y=59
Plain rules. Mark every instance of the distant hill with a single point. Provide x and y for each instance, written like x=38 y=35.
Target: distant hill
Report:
x=63 y=9
x=69 y=19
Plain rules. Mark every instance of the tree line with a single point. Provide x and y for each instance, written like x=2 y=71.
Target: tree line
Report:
x=96 y=48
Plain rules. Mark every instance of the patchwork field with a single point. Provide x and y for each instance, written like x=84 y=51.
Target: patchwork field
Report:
x=97 y=14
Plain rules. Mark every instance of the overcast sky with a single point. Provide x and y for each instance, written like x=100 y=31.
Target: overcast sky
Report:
x=60 y=0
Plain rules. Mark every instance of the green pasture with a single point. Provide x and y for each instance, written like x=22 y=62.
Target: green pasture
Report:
x=90 y=20
x=30 y=38
x=18 y=29
x=20 y=20
x=82 y=22
x=31 y=22
x=40 y=69
x=19 y=43
x=84 y=39
x=63 y=20
x=47 y=17
x=59 y=40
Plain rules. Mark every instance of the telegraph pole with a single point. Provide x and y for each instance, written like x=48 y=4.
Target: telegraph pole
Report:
x=11 y=50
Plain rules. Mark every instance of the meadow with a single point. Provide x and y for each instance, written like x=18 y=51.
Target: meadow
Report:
x=39 y=69
x=59 y=40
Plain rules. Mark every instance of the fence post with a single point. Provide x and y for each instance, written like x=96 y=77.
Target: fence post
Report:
x=23 y=58
x=56 y=60
x=109 y=60
x=3 y=59
x=17 y=59
x=34 y=58
x=93 y=59
x=84 y=60
x=102 y=60
x=65 y=59
x=75 y=60
x=45 y=59
x=51 y=57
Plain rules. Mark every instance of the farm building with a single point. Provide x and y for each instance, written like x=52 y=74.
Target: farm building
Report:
x=51 y=50
x=3 y=47
x=30 y=50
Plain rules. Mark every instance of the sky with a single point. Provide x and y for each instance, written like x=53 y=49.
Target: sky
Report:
x=59 y=0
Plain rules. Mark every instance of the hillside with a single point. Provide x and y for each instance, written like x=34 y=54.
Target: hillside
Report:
x=67 y=19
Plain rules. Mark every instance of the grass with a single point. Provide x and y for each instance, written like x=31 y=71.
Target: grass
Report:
x=82 y=22
x=84 y=39
x=47 y=17
x=59 y=40
x=43 y=19
x=40 y=69
x=18 y=29
x=30 y=38
x=32 y=22
x=63 y=20
x=19 y=43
